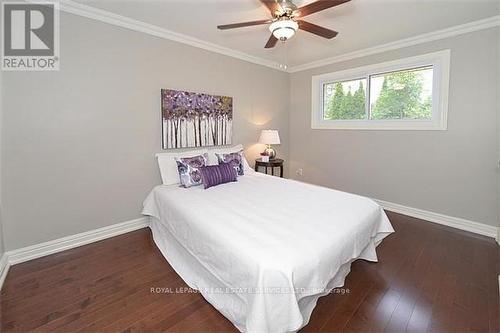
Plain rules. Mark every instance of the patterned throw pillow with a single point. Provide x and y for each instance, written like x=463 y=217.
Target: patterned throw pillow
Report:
x=234 y=159
x=189 y=169
x=214 y=175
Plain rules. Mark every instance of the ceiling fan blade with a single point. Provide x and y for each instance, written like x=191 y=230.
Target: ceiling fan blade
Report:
x=243 y=24
x=271 y=42
x=317 y=30
x=318 y=6
x=272 y=5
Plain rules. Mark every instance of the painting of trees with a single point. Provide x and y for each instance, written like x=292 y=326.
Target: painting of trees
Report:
x=195 y=119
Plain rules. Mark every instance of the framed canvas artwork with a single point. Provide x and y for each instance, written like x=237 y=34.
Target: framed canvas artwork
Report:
x=195 y=120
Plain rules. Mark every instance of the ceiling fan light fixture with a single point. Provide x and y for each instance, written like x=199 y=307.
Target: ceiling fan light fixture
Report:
x=283 y=29
x=287 y=18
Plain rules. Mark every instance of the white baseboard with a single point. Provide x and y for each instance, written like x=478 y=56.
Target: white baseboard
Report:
x=43 y=249
x=4 y=268
x=69 y=242
x=450 y=221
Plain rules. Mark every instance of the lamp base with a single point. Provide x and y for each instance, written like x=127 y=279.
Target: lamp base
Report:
x=269 y=151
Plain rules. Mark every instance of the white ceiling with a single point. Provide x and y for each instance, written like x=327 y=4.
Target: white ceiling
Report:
x=361 y=23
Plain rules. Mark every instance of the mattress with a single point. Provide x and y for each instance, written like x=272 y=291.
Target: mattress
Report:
x=264 y=249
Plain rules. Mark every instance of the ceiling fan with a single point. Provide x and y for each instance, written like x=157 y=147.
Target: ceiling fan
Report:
x=286 y=20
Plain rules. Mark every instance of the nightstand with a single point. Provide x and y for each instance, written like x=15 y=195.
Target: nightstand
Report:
x=274 y=163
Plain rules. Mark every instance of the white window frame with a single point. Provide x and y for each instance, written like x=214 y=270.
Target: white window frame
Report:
x=440 y=62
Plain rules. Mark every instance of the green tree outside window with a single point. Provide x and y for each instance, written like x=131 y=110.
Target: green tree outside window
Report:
x=400 y=97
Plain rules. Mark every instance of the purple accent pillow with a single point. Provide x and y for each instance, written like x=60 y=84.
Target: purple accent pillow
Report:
x=214 y=175
x=235 y=159
x=189 y=169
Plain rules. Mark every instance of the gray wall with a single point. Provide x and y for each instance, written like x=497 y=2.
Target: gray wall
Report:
x=2 y=248
x=2 y=245
x=498 y=134
x=78 y=145
x=453 y=172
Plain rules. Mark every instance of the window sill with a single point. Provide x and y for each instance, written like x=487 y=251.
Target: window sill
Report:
x=381 y=126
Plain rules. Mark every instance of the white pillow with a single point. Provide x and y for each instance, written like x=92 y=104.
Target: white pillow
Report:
x=212 y=158
x=168 y=165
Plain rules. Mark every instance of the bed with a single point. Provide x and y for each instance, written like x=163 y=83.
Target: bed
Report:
x=262 y=250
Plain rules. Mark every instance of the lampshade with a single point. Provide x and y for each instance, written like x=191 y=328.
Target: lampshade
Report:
x=283 y=29
x=269 y=137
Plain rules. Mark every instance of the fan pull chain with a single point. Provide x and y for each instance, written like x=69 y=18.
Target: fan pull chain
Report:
x=284 y=64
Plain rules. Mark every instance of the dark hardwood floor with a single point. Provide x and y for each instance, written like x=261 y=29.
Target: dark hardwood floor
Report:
x=429 y=278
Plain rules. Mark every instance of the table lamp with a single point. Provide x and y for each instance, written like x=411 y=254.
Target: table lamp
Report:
x=269 y=137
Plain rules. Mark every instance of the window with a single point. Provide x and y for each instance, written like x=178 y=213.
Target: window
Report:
x=407 y=94
x=344 y=100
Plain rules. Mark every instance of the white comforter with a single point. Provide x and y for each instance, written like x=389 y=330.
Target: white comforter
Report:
x=279 y=242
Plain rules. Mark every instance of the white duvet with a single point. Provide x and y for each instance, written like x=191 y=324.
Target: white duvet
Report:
x=262 y=250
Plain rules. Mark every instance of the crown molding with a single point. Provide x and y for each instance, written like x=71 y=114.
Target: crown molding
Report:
x=461 y=29
x=90 y=12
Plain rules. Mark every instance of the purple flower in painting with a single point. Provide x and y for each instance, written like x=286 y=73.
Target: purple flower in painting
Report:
x=194 y=119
